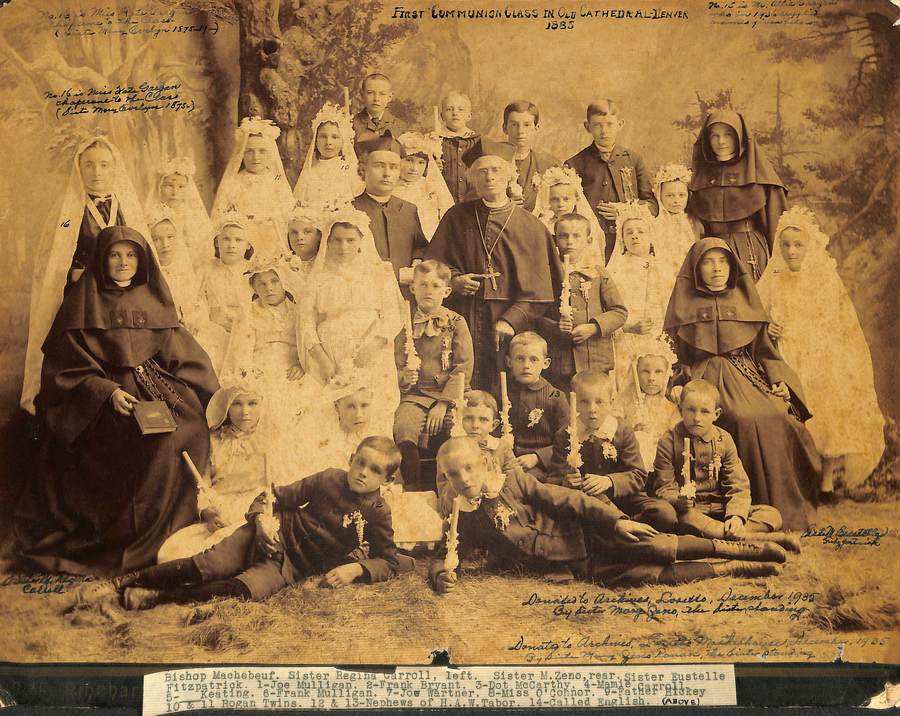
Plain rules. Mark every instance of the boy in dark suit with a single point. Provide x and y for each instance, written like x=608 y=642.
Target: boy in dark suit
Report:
x=525 y=523
x=521 y=120
x=375 y=121
x=394 y=221
x=440 y=371
x=610 y=173
x=456 y=139
x=582 y=339
x=611 y=464
x=334 y=522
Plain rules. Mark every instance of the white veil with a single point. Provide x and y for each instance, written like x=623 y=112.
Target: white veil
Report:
x=54 y=257
x=673 y=232
x=193 y=218
x=278 y=196
x=340 y=183
x=593 y=255
x=432 y=188
x=810 y=304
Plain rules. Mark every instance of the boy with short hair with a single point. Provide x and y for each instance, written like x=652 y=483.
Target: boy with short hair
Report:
x=375 y=120
x=480 y=417
x=456 y=139
x=583 y=339
x=538 y=411
x=611 y=465
x=549 y=528
x=521 y=120
x=442 y=367
x=721 y=507
x=333 y=522
x=610 y=173
x=394 y=221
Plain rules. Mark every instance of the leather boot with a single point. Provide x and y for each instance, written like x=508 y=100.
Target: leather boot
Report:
x=785 y=539
x=747 y=569
x=749 y=551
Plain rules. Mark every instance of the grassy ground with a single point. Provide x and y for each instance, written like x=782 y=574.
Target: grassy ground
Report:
x=855 y=605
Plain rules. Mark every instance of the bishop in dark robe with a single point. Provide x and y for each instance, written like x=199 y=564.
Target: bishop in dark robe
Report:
x=506 y=271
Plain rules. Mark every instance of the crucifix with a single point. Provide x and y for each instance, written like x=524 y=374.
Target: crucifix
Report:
x=491 y=274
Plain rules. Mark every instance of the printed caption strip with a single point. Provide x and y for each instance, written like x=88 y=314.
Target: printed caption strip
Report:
x=170 y=692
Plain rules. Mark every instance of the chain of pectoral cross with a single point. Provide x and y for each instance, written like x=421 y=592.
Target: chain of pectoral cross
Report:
x=491 y=274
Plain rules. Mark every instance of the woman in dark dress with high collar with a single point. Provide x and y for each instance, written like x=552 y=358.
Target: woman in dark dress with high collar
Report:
x=104 y=497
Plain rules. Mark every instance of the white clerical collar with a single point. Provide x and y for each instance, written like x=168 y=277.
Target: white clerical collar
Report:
x=379 y=199
x=122 y=284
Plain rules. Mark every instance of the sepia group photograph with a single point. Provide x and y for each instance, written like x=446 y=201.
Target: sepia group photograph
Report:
x=523 y=333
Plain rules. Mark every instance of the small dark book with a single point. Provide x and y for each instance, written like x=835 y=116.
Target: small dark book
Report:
x=154 y=417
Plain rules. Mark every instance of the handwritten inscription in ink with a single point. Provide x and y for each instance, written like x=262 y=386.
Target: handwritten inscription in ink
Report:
x=844 y=536
x=668 y=605
x=146 y=97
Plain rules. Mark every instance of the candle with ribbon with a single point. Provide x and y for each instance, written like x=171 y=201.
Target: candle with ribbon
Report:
x=346 y=99
x=688 y=489
x=506 y=431
x=451 y=560
x=574 y=457
x=413 y=362
x=457 y=430
x=565 y=293
x=437 y=120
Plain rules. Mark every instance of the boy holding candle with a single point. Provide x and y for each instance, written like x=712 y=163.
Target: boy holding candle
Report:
x=699 y=472
x=434 y=357
x=610 y=173
x=580 y=327
x=527 y=524
x=537 y=410
x=334 y=522
x=608 y=463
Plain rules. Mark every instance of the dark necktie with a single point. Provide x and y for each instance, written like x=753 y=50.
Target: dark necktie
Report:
x=104 y=206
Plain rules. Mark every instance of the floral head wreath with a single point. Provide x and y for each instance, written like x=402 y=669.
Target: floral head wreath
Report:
x=428 y=144
x=630 y=212
x=346 y=214
x=662 y=346
x=800 y=217
x=672 y=172
x=159 y=213
x=230 y=217
x=336 y=115
x=177 y=165
x=261 y=265
x=307 y=215
x=561 y=175
x=256 y=125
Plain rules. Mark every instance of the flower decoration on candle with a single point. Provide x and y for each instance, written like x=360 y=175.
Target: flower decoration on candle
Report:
x=356 y=519
x=574 y=457
x=565 y=291
x=688 y=489
x=457 y=431
x=506 y=431
x=451 y=560
x=446 y=342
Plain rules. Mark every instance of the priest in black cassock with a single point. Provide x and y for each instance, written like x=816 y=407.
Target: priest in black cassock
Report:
x=506 y=271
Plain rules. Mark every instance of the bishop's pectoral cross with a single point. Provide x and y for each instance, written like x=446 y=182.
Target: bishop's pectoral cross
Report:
x=491 y=275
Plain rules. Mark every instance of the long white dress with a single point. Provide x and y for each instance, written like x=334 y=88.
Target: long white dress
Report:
x=343 y=307
x=334 y=181
x=188 y=209
x=817 y=315
x=264 y=199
